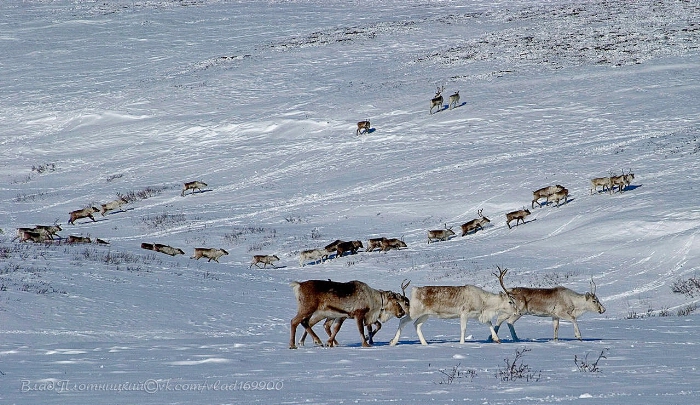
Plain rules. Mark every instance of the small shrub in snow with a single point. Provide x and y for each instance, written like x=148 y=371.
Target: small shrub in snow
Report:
x=586 y=366
x=689 y=287
x=517 y=370
x=687 y=310
x=455 y=373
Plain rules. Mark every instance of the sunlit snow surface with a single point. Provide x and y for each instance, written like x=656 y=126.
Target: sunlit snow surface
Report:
x=260 y=101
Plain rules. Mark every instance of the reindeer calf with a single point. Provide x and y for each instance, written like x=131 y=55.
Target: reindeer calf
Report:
x=393 y=243
x=454 y=100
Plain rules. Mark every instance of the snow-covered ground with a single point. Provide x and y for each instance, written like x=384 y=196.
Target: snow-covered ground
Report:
x=260 y=100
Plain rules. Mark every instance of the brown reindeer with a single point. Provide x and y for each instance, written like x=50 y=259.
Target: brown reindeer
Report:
x=83 y=213
x=437 y=100
x=544 y=192
x=265 y=260
x=354 y=299
x=363 y=127
x=557 y=303
x=193 y=185
x=440 y=234
x=475 y=224
x=518 y=216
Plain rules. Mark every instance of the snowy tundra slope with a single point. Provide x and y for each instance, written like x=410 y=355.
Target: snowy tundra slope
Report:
x=260 y=101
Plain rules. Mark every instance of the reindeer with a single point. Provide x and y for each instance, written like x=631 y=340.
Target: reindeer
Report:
x=49 y=230
x=437 y=100
x=168 y=250
x=449 y=302
x=83 y=213
x=518 y=216
x=77 y=239
x=312 y=255
x=354 y=299
x=113 y=205
x=601 y=181
x=332 y=325
x=351 y=246
x=621 y=181
x=25 y=234
x=210 y=253
x=475 y=224
x=440 y=234
x=559 y=195
x=393 y=243
x=374 y=243
x=454 y=100
x=545 y=192
x=363 y=127
x=193 y=185
x=558 y=303
x=265 y=260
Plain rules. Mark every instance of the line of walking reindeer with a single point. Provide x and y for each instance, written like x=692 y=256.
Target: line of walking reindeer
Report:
x=48 y=233
x=335 y=302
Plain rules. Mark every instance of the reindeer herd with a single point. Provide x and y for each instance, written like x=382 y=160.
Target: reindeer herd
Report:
x=49 y=233
x=335 y=302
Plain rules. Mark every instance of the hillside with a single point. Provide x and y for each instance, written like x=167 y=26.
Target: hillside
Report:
x=260 y=100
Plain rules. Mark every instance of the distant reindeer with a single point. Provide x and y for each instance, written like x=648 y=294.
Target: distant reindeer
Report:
x=454 y=100
x=265 y=260
x=601 y=181
x=475 y=224
x=25 y=234
x=559 y=195
x=544 y=192
x=621 y=181
x=363 y=127
x=437 y=100
x=113 y=205
x=48 y=231
x=392 y=243
x=193 y=185
x=168 y=250
x=83 y=213
x=518 y=216
x=440 y=234
x=209 y=253
x=78 y=239
x=374 y=243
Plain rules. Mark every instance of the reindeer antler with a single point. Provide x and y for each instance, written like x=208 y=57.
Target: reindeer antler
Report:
x=404 y=284
x=502 y=273
x=593 y=286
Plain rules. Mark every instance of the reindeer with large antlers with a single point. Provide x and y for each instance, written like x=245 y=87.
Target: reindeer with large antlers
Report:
x=558 y=303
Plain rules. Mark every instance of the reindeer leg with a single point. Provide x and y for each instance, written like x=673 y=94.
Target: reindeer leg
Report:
x=406 y=319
